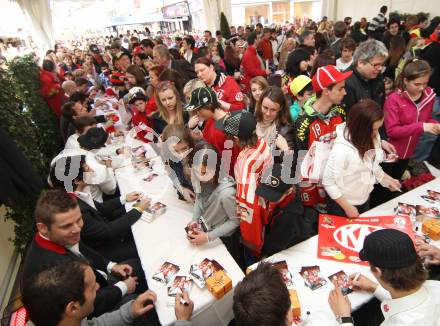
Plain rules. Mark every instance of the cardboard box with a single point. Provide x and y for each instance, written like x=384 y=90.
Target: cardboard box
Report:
x=296 y=307
x=432 y=229
x=219 y=284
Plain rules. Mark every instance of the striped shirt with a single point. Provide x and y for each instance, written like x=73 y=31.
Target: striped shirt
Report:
x=377 y=22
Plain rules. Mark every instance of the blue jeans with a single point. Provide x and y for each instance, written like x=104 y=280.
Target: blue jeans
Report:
x=427 y=140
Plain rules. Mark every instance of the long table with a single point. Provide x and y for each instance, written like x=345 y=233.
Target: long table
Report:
x=314 y=304
x=164 y=239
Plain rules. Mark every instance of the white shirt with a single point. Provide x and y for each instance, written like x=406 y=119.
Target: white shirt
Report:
x=342 y=66
x=72 y=142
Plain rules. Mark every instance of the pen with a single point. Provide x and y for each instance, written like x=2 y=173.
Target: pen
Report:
x=183 y=302
x=356 y=277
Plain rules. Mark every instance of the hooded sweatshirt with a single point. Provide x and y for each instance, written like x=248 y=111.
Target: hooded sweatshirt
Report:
x=347 y=175
x=218 y=209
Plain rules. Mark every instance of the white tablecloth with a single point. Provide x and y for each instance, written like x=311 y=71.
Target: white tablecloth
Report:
x=305 y=254
x=164 y=239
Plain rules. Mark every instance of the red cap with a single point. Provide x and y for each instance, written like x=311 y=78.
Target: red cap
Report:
x=136 y=50
x=327 y=76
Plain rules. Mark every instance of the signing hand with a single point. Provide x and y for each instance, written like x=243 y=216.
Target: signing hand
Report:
x=182 y=311
x=143 y=303
x=431 y=253
x=123 y=270
x=132 y=196
x=198 y=238
x=363 y=283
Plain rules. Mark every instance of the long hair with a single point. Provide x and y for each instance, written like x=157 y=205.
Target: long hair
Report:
x=260 y=81
x=293 y=62
x=359 y=125
x=163 y=112
x=138 y=74
x=275 y=94
x=413 y=69
x=200 y=157
x=397 y=49
x=231 y=56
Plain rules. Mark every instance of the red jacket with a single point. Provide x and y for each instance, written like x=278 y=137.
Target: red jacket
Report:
x=265 y=47
x=404 y=120
x=251 y=66
x=51 y=91
x=229 y=91
x=142 y=125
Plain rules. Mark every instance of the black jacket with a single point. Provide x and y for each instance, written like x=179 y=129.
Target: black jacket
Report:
x=43 y=253
x=184 y=68
x=107 y=229
x=431 y=53
x=286 y=227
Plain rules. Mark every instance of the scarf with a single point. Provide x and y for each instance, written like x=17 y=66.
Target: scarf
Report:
x=267 y=131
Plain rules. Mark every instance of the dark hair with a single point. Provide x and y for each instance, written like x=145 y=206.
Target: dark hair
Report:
x=141 y=56
x=48 y=65
x=45 y=295
x=209 y=32
x=52 y=202
x=67 y=111
x=231 y=56
x=217 y=33
x=259 y=25
x=307 y=88
x=348 y=43
x=383 y=9
x=82 y=122
x=81 y=81
x=147 y=43
x=137 y=73
x=293 y=61
x=413 y=69
x=262 y=82
x=78 y=97
x=204 y=61
x=175 y=54
x=200 y=156
x=251 y=39
x=174 y=77
x=304 y=35
x=340 y=29
x=322 y=60
x=190 y=41
x=275 y=94
x=261 y=298
x=396 y=51
x=318 y=94
x=360 y=120
x=394 y=20
x=412 y=20
x=406 y=278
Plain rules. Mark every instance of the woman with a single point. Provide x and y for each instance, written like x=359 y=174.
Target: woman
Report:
x=297 y=64
x=138 y=59
x=408 y=113
x=397 y=49
x=273 y=120
x=215 y=198
x=258 y=85
x=228 y=91
x=232 y=61
x=50 y=87
x=154 y=73
x=170 y=110
x=353 y=164
x=134 y=76
x=215 y=55
x=174 y=77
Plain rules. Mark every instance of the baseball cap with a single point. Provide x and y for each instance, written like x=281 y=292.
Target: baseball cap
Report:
x=273 y=188
x=388 y=248
x=94 y=138
x=241 y=124
x=200 y=97
x=327 y=76
x=298 y=84
x=117 y=78
x=136 y=96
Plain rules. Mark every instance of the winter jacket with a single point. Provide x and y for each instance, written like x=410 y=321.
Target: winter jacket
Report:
x=312 y=125
x=251 y=66
x=404 y=119
x=346 y=174
x=218 y=210
x=229 y=91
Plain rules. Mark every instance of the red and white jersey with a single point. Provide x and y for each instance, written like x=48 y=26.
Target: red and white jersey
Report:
x=229 y=91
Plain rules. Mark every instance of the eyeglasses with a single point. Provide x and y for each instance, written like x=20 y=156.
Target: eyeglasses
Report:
x=377 y=65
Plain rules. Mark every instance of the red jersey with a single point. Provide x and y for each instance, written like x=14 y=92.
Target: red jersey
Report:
x=142 y=125
x=229 y=91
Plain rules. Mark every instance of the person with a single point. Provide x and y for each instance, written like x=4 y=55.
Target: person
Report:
x=262 y=298
x=232 y=61
x=215 y=196
x=140 y=118
x=65 y=294
x=68 y=65
x=58 y=240
x=286 y=48
x=121 y=61
x=216 y=54
x=393 y=30
x=204 y=103
x=176 y=144
x=170 y=109
x=154 y=73
x=228 y=92
x=407 y=298
x=106 y=225
x=134 y=77
x=377 y=25
x=82 y=125
x=298 y=63
x=273 y=120
x=408 y=113
x=162 y=57
x=357 y=34
x=340 y=29
x=301 y=88
x=307 y=38
x=285 y=211
x=251 y=64
x=353 y=164
x=258 y=85
x=255 y=155
x=264 y=47
x=397 y=48
x=50 y=87
x=188 y=46
x=345 y=60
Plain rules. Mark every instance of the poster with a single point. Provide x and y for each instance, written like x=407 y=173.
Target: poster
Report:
x=341 y=239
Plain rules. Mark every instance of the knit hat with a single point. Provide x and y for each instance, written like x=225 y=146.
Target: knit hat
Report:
x=241 y=124
x=94 y=138
x=298 y=84
x=273 y=188
x=388 y=248
x=117 y=78
x=200 y=97
x=327 y=76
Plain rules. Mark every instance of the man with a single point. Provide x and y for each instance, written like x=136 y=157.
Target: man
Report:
x=285 y=210
x=122 y=61
x=232 y=31
x=393 y=30
x=262 y=298
x=188 y=50
x=162 y=57
x=240 y=31
x=64 y=294
x=265 y=47
x=407 y=297
x=59 y=223
x=377 y=25
x=207 y=36
x=340 y=29
x=220 y=39
x=307 y=38
x=251 y=63
x=259 y=30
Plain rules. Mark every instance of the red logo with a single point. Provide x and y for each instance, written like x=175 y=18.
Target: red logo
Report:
x=352 y=236
x=386 y=308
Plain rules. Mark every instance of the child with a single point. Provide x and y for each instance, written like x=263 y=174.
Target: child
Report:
x=258 y=85
x=301 y=88
x=408 y=113
x=140 y=120
x=389 y=86
x=215 y=199
x=348 y=45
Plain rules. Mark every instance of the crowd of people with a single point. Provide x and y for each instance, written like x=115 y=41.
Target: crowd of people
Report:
x=363 y=95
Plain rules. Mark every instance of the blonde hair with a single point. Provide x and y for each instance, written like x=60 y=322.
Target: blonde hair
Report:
x=163 y=112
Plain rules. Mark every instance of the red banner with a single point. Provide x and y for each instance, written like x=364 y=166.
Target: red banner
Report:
x=341 y=239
